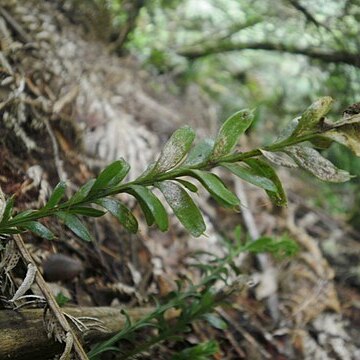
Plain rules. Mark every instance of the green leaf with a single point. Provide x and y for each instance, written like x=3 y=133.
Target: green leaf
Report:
x=83 y=192
x=56 y=195
x=248 y=174
x=311 y=117
x=188 y=185
x=311 y=160
x=279 y=158
x=183 y=206
x=151 y=204
x=175 y=149
x=201 y=351
x=261 y=168
x=200 y=153
x=39 y=229
x=85 y=211
x=215 y=321
x=111 y=175
x=280 y=248
x=75 y=225
x=230 y=132
x=61 y=299
x=216 y=187
x=121 y=212
x=8 y=209
x=23 y=214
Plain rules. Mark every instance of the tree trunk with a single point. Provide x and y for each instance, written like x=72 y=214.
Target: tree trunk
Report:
x=23 y=336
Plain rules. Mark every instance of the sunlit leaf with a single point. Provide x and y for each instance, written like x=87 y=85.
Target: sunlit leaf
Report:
x=75 y=225
x=279 y=158
x=150 y=203
x=56 y=195
x=111 y=175
x=121 y=212
x=39 y=229
x=183 y=206
x=230 y=132
x=250 y=175
x=175 y=149
x=312 y=161
x=263 y=169
x=214 y=185
x=312 y=115
x=200 y=153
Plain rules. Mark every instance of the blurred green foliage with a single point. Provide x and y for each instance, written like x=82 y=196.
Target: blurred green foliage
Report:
x=279 y=84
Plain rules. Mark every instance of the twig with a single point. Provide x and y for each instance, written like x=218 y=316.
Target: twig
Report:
x=265 y=265
x=50 y=299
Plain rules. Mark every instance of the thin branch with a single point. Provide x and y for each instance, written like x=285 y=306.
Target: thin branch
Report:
x=327 y=56
x=50 y=299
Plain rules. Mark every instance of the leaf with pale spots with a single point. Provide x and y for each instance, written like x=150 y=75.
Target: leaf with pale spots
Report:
x=183 y=206
x=346 y=132
x=121 y=212
x=312 y=116
x=230 y=132
x=312 y=161
x=246 y=173
x=200 y=153
x=174 y=150
x=279 y=158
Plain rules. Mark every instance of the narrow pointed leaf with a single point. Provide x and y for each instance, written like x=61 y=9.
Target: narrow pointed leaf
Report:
x=260 y=167
x=56 y=195
x=121 y=212
x=248 y=174
x=150 y=203
x=86 y=211
x=111 y=175
x=216 y=187
x=175 y=149
x=8 y=209
x=83 y=192
x=23 y=214
x=75 y=225
x=230 y=132
x=200 y=153
x=183 y=206
x=39 y=229
x=188 y=185
x=311 y=160
x=312 y=116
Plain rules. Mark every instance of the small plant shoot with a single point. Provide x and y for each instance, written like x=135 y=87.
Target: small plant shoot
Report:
x=296 y=147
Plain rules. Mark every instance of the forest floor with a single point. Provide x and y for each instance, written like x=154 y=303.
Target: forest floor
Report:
x=69 y=108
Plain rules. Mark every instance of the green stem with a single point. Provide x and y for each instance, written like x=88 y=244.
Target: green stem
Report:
x=169 y=175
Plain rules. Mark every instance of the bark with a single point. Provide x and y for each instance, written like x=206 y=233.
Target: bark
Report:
x=336 y=56
x=23 y=336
